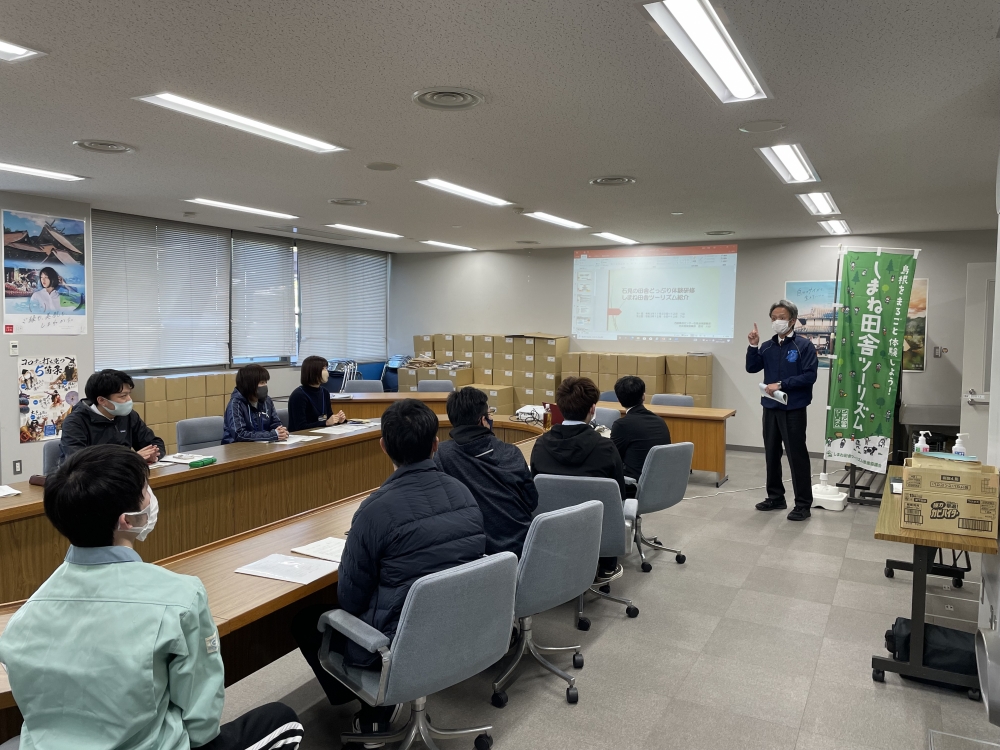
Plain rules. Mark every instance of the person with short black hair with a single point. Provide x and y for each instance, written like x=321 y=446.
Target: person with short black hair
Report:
x=494 y=471
x=113 y=652
x=250 y=414
x=47 y=299
x=639 y=430
x=106 y=417
x=309 y=405
x=420 y=521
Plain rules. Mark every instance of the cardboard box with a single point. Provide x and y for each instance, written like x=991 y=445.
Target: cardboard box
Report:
x=176 y=410
x=650 y=364
x=503 y=377
x=423 y=343
x=215 y=384
x=483 y=344
x=483 y=375
x=460 y=378
x=407 y=389
x=524 y=345
x=606 y=381
x=503 y=344
x=465 y=342
x=674 y=384
x=699 y=364
x=427 y=373
x=627 y=364
x=226 y=399
x=149 y=389
x=465 y=355
x=230 y=383
x=501 y=397
x=698 y=385
x=196 y=407
x=483 y=359
x=590 y=361
x=429 y=353
x=156 y=412
x=160 y=430
x=524 y=379
x=444 y=355
x=702 y=401
x=407 y=376
x=654 y=383
x=547 y=381
x=215 y=406
x=591 y=376
x=503 y=360
x=171 y=448
x=547 y=397
x=524 y=397
x=169 y=434
x=941 y=475
x=444 y=342
x=139 y=408
x=547 y=363
x=176 y=387
x=570 y=362
x=949 y=513
x=524 y=362
x=676 y=364
x=607 y=363
x=195 y=386
x=551 y=346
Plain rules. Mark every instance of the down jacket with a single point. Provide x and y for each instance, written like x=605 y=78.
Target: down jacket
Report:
x=420 y=521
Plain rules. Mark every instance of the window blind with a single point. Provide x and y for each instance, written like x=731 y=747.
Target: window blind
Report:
x=161 y=293
x=344 y=294
x=263 y=314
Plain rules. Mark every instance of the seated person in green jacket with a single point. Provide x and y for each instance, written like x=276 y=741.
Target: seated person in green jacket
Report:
x=111 y=652
x=309 y=405
x=105 y=417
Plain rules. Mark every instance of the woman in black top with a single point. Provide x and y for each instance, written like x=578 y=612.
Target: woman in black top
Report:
x=309 y=405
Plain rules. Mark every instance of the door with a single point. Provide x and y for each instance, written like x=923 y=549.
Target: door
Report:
x=978 y=355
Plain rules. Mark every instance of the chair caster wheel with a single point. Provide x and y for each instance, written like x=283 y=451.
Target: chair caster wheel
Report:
x=606 y=588
x=957 y=582
x=484 y=742
x=632 y=611
x=656 y=540
x=572 y=696
x=878 y=675
x=680 y=559
x=646 y=567
x=889 y=572
x=583 y=624
x=578 y=661
x=499 y=700
x=975 y=695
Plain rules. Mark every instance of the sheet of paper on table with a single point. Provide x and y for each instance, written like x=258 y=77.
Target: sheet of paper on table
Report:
x=161 y=465
x=343 y=429
x=299 y=439
x=6 y=491
x=288 y=568
x=331 y=548
x=183 y=458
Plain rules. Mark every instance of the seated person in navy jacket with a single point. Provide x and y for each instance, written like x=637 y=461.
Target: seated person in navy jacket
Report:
x=639 y=430
x=309 y=405
x=250 y=415
x=420 y=521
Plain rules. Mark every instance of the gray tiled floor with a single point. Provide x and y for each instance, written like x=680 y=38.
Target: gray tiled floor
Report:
x=762 y=640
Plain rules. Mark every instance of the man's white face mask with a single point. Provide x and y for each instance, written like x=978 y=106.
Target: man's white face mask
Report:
x=146 y=516
x=780 y=327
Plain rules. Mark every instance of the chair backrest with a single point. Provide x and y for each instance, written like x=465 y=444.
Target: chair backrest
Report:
x=283 y=416
x=51 y=455
x=363 y=386
x=556 y=492
x=199 y=432
x=672 y=399
x=454 y=624
x=606 y=417
x=559 y=558
x=664 y=477
x=609 y=396
x=444 y=386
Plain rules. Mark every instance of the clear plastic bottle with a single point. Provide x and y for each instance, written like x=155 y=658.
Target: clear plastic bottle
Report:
x=959 y=447
x=921 y=446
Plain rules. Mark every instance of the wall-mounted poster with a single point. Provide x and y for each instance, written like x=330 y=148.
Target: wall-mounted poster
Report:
x=44 y=274
x=916 y=327
x=48 y=389
x=815 y=300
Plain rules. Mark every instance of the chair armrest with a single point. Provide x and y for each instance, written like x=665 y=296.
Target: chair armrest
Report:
x=358 y=631
x=630 y=480
x=631 y=510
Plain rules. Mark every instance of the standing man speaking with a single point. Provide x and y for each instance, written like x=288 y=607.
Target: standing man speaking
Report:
x=789 y=363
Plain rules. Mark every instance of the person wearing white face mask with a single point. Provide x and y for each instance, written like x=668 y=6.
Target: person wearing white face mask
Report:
x=309 y=404
x=789 y=363
x=106 y=417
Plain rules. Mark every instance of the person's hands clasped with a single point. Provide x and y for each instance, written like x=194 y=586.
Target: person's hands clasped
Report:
x=338 y=418
x=150 y=454
x=754 y=337
x=772 y=388
x=282 y=433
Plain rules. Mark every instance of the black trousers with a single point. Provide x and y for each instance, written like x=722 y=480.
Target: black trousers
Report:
x=787 y=428
x=270 y=726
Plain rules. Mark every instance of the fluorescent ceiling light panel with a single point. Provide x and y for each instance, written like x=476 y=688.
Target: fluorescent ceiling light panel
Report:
x=207 y=112
x=818 y=204
x=244 y=209
x=15 y=53
x=789 y=162
x=616 y=238
x=446 y=244
x=377 y=233
x=835 y=226
x=450 y=187
x=700 y=36
x=40 y=172
x=556 y=220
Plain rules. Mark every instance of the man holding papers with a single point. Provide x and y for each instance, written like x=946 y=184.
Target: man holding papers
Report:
x=789 y=363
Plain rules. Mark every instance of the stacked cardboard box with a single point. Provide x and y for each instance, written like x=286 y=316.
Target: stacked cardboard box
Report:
x=949 y=496
x=537 y=367
x=500 y=397
x=162 y=402
x=671 y=373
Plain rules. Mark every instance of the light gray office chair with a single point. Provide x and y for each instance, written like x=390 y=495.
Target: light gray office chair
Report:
x=560 y=552
x=606 y=417
x=199 y=432
x=555 y=492
x=609 y=396
x=662 y=485
x=434 y=386
x=454 y=624
x=672 y=399
x=283 y=417
x=363 y=386
x=51 y=458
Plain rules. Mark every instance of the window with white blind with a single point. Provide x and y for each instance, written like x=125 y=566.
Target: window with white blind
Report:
x=161 y=293
x=263 y=313
x=343 y=296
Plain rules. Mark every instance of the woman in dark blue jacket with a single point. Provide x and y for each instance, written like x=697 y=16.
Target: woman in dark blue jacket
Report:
x=309 y=405
x=250 y=415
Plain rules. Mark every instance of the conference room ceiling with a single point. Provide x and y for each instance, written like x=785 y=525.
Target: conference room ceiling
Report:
x=896 y=103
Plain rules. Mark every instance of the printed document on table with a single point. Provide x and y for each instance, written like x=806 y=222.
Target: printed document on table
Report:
x=780 y=396
x=183 y=458
x=331 y=548
x=160 y=465
x=342 y=429
x=6 y=491
x=299 y=439
x=288 y=568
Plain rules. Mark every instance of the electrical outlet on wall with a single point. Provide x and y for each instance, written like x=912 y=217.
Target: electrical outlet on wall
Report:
x=17 y=467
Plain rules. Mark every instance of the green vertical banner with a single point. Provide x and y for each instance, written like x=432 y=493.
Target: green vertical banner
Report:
x=868 y=353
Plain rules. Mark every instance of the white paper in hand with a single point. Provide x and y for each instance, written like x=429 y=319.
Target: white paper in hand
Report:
x=780 y=396
x=288 y=568
x=331 y=549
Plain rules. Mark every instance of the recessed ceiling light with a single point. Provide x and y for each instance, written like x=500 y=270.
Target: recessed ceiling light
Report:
x=450 y=187
x=616 y=238
x=349 y=201
x=676 y=213
x=382 y=166
x=526 y=242
x=700 y=36
x=819 y=204
x=214 y=114
x=244 y=209
x=16 y=53
x=556 y=220
x=720 y=232
x=762 y=126
x=789 y=162
x=448 y=98
x=104 y=147
x=446 y=244
x=835 y=226
x=376 y=232
x=34 y=172
x=616 y=181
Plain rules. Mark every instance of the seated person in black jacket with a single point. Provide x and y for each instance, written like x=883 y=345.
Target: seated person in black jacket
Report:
x=309 y=405
x=494 y=471
x=420 y=521
x=639 y=430
x=105 y=417
x=576 y=449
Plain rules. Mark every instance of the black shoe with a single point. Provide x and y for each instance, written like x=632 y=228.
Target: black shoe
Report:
x=375 y=721
x=799 y=513
x=603 y=577
x=770 y=504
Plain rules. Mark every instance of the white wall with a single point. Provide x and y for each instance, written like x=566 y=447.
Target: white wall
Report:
x=530 y=290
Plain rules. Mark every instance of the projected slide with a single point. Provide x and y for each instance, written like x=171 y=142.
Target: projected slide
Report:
x=655 y=293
